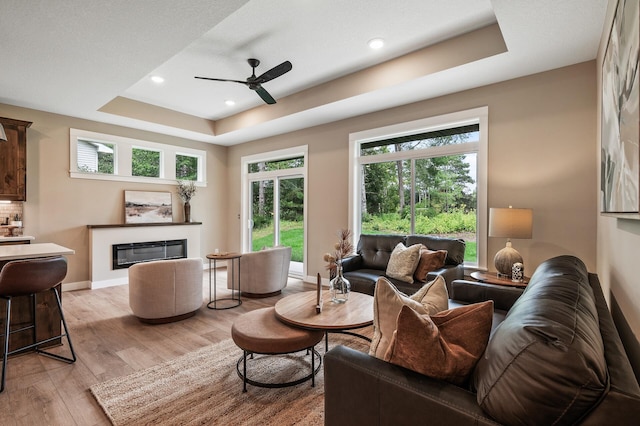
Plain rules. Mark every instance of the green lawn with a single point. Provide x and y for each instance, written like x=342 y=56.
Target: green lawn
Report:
x=291 y=234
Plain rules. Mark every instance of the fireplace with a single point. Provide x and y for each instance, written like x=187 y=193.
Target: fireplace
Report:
x=125 y=255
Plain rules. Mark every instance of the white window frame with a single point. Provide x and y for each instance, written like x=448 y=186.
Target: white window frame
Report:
x=122 y=159
x=478 y=116
x=247 y=178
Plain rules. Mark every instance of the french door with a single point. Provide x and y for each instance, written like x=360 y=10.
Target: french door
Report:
x=274 y=206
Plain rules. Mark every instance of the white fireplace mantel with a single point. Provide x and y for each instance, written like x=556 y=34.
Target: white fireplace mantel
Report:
x=103 y=237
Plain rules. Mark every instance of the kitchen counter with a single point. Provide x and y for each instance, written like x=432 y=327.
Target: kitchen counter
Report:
x=30 y=251
x=8 y=240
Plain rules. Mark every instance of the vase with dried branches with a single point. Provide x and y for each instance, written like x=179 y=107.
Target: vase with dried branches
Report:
x=340 y=286
x=186 y=190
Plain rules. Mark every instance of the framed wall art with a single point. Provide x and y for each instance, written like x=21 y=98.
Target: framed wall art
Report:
x=147 y=207
x=620 y=157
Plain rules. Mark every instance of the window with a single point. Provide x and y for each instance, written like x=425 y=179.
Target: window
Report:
x=95 y=157
x=187 y=167
x=423 y=177
x=108 y=157
x=145 y=162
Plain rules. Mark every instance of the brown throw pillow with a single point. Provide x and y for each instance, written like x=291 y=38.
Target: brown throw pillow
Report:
x=444 y=346
x=430 y=260
x=388 y=300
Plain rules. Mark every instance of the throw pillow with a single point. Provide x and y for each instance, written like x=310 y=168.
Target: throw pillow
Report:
x=387 y=302
x=444 y=346
x=403 y=262
x=430 y=260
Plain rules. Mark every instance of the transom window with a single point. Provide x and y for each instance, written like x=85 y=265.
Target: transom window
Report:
x=108 y=157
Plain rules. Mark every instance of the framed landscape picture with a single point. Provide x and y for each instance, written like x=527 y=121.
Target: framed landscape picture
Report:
x=620 y=157
x=147 y=207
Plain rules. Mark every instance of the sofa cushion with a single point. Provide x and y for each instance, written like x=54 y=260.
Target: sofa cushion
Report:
x=375 y=250
x=545 y=363
x=429 y=261
x=387 y=302
x=403 y=262
x=455 y=247
x=445 y=345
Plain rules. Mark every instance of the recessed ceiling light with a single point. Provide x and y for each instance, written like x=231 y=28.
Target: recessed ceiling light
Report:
x=157 y=79
x=229 y=102
x=376 y=43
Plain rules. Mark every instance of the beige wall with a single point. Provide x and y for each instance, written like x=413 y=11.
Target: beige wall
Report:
x=58 y=208
x=618 y=239
x=541 y=155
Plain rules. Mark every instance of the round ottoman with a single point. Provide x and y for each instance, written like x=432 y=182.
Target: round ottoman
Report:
x=260 y=332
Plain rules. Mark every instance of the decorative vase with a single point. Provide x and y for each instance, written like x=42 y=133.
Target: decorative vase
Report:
x=339 y=287
x=187 y=212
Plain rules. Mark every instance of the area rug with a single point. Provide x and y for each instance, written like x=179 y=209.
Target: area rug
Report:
x=203 y=387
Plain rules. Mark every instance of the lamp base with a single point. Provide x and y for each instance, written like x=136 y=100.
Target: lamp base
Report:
x=505 y=259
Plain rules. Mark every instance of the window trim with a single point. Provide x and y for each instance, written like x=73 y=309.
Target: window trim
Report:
x=246 y=178
x=476 y=115
x=123 y=147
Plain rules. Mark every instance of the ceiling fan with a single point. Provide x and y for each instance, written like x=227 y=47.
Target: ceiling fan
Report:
x=255 y=83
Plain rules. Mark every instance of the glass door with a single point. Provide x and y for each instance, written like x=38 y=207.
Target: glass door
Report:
x=277 y=216
x=290 y=228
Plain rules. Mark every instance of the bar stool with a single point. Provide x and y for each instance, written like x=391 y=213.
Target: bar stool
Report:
x=29 y=277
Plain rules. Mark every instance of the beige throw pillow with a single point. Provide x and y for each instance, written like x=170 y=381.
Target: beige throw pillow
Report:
x=403 y=262
x=388 y=301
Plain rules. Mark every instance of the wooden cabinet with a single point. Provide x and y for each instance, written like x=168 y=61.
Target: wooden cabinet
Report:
x=13 y=160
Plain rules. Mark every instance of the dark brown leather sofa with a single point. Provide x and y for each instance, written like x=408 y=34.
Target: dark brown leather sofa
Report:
x=555 y=358
x=374 y=251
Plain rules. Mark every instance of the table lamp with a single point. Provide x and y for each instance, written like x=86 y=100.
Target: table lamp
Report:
x=509 y=223
x=3 y=135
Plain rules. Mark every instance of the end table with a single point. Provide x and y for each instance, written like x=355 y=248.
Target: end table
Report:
x=493 y=278
x=234 y=261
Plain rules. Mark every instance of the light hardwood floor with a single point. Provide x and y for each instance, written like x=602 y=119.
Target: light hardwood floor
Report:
x=109 y=342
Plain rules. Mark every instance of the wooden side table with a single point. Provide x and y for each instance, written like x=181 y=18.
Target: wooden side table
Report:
x=234 y=259
x=493 y=278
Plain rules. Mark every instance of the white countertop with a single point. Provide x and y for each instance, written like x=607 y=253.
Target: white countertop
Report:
x=20 y=238
x=30 y=251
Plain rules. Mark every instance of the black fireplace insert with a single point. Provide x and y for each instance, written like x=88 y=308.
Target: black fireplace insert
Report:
x=125 y=255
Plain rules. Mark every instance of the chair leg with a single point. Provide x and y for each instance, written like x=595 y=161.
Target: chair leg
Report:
x=5 y=353
x=313 y=367
x=244 y=371
x=66 y=334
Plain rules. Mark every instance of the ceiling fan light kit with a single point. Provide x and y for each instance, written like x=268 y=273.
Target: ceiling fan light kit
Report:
x=255 y=83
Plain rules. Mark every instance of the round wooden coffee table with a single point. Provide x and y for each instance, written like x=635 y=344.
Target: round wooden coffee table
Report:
x=299 y=310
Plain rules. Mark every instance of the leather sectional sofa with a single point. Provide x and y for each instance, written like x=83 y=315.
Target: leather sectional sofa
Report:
x=374 y=251
x=554 y=357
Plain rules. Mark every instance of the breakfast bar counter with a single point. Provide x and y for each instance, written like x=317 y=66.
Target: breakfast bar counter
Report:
x=31 y=251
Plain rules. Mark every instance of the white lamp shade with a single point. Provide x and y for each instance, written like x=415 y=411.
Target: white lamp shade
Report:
x=510 y=223
x=3 y=135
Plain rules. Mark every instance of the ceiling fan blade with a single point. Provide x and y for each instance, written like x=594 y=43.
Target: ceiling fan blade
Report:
x=223 y=79
x=274 y=72
x=264 y=95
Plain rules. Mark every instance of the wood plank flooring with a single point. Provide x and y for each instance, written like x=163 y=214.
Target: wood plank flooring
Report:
x=109 y=342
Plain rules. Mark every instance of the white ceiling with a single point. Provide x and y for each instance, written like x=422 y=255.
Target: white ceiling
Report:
x=72 y=57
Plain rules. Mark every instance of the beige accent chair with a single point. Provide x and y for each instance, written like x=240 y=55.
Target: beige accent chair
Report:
x=264 y=273
x=165 y=290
